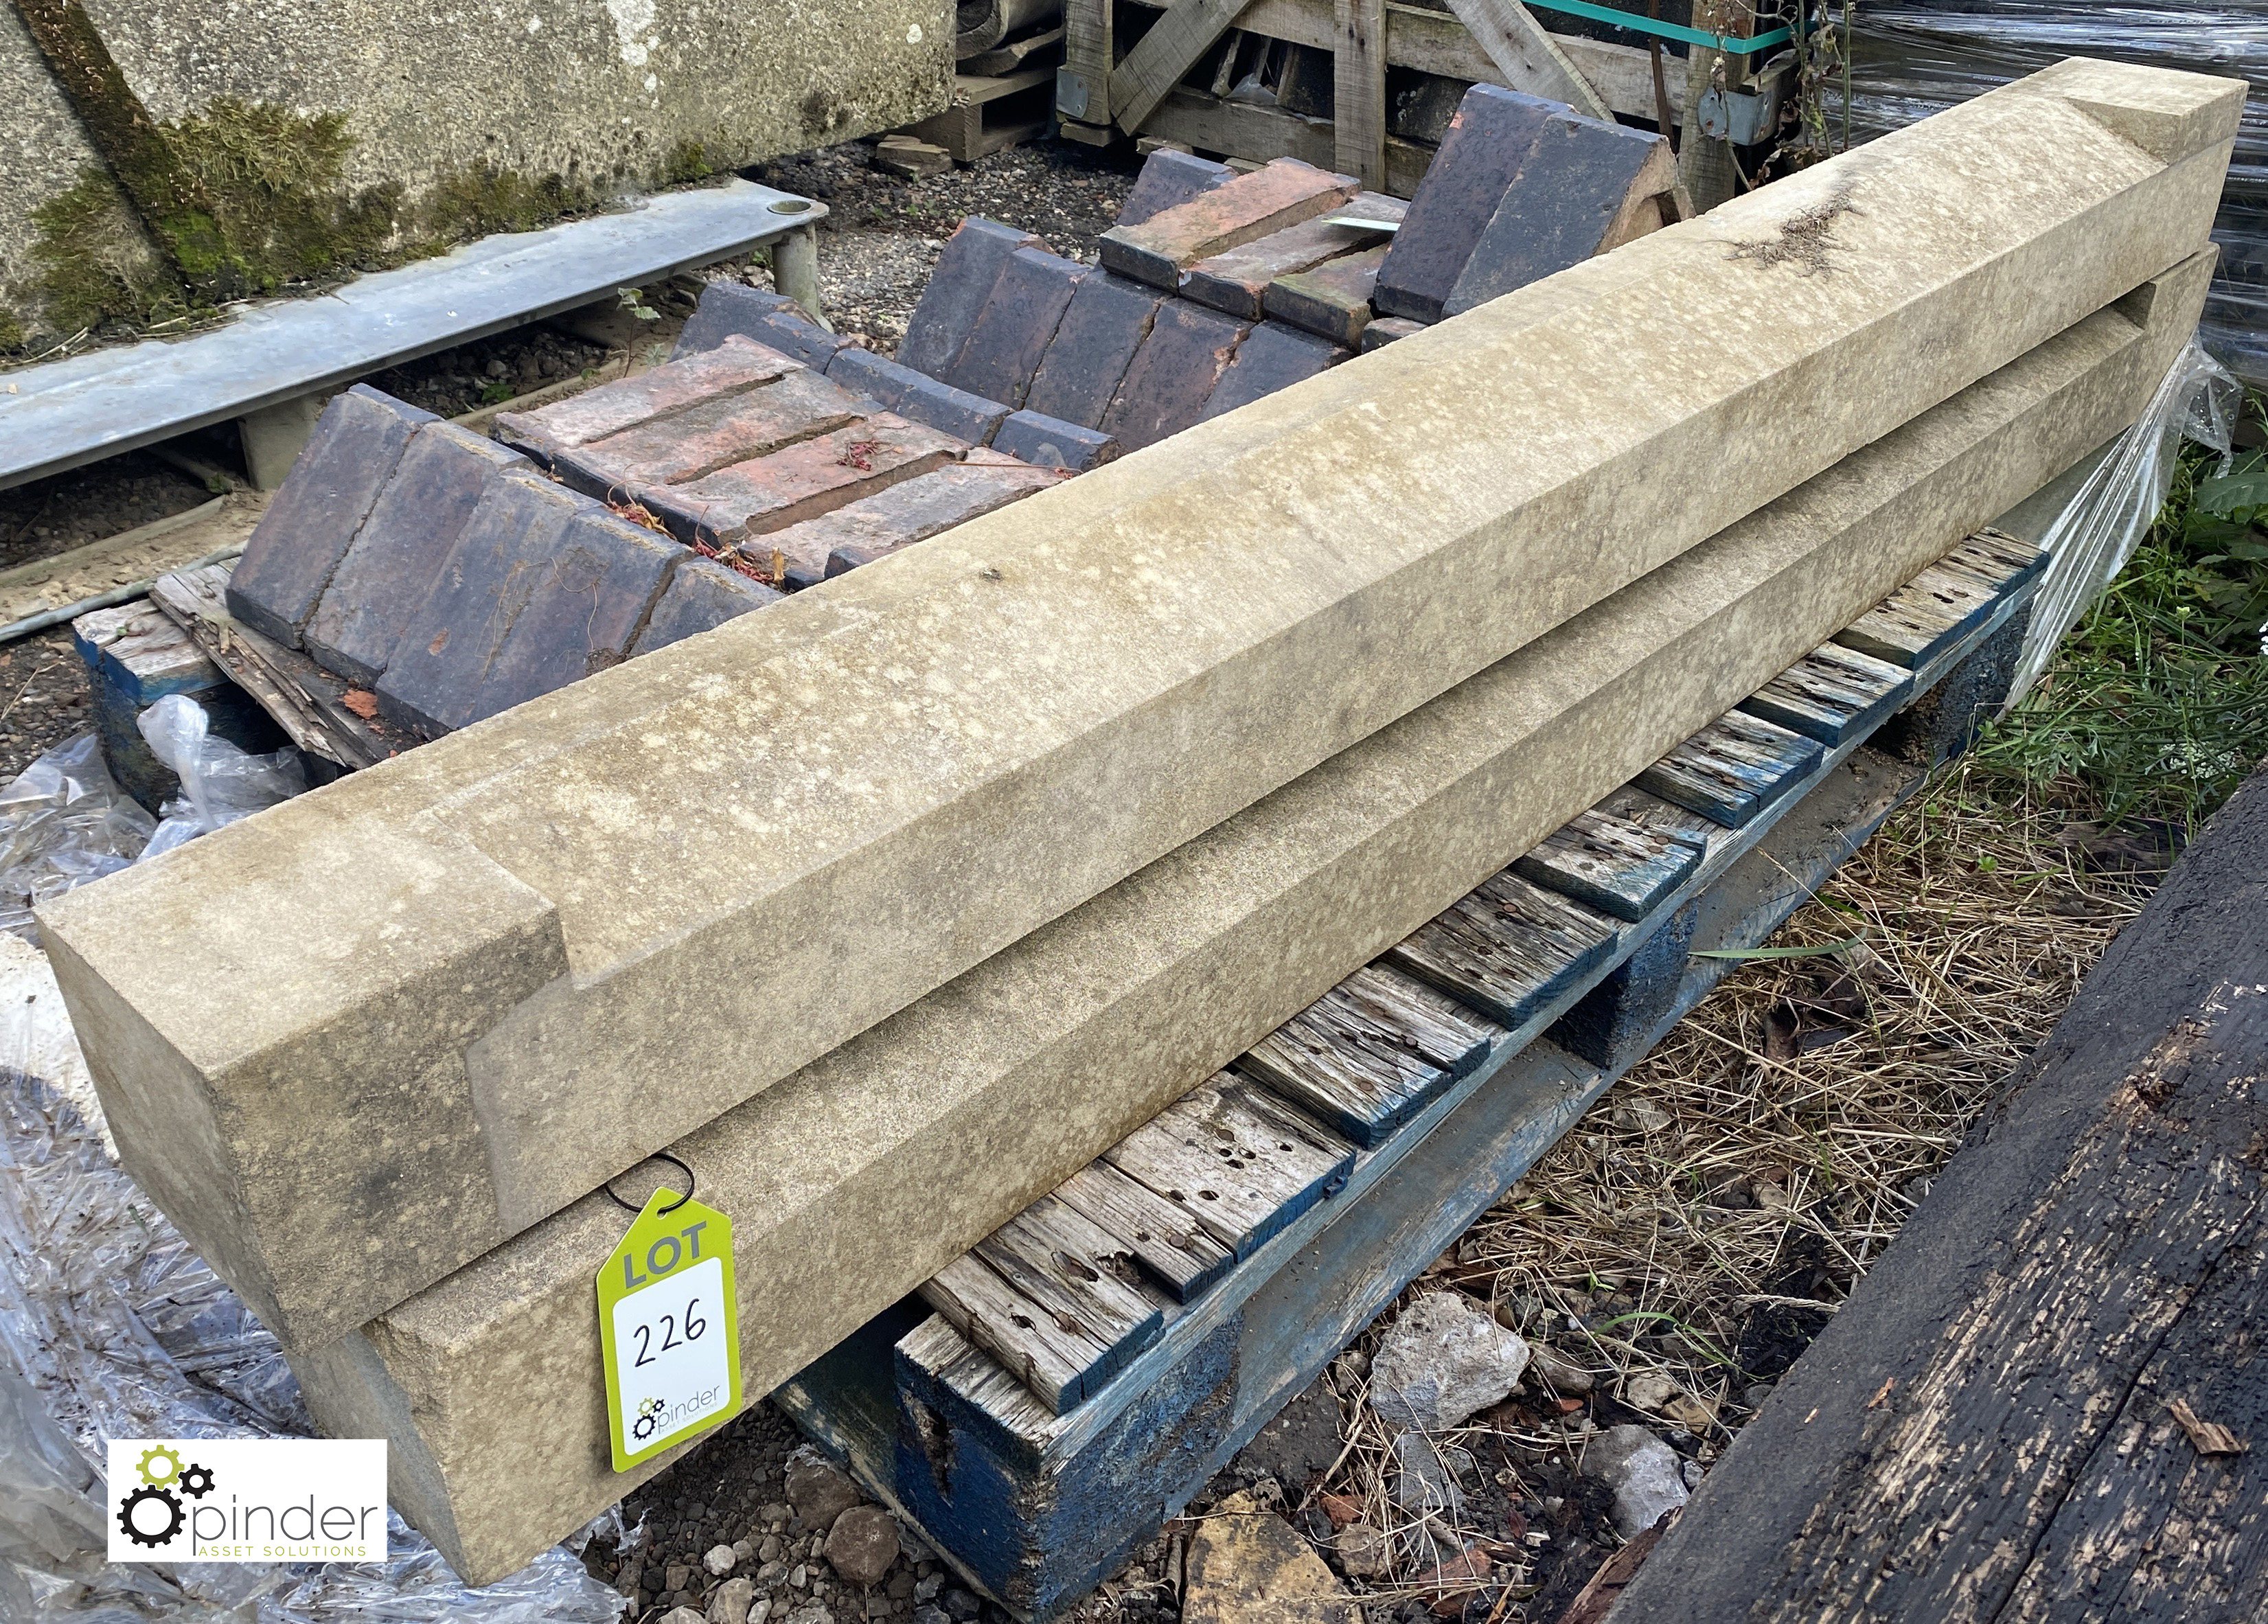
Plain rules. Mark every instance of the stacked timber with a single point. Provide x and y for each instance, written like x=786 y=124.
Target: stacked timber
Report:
x=892 y=907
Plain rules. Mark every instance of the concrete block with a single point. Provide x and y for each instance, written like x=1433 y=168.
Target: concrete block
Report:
x=1049 y=442
x=1101 y=329
x=799 y=481
x=911 y=511
x=585 y=608
x=1383 y=330
x=1276 y=196
x=1173 y=376
x=701 y=437
x=731 y=365
x=972 y=261
x=449 y=643
x=918 y=396
x=770 y=319
x=1583 y=189
x=1192 y=630
x=702 y=595
x=1012 y=332
x=1332 y=300
x=1235 y=282
x=853 y=1181
x=402 y=547
x=1273 y=357
x=1489 y=139
x=1169 y=178
x=312 y=521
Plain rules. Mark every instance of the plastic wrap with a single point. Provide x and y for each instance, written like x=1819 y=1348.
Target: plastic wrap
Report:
x=220 y=782
x=63 y=821
x=1910 y=59
x=2098 y=530
x=111 y=1326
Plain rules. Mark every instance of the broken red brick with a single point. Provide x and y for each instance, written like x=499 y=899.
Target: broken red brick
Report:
x=704 y=436
x=1271 y=198
x=1332 y=300
x=800 y=482
x=1236 y=282
x=735 y=365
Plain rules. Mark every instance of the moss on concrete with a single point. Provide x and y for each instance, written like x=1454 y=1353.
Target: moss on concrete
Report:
x=93 y=263
x=11 y=331
x=273 y=180
x=473 y=203
x=688 y=161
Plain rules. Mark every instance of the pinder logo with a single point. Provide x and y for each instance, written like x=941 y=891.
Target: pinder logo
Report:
x=247 y=1500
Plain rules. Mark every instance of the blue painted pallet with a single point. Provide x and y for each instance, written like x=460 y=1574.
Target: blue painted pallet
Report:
x=1614 y=863
x=1734 y=768
x=1035 y=1503
x=1831 y=694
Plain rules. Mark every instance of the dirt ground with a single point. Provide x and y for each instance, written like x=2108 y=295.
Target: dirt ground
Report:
x=1697 y=1228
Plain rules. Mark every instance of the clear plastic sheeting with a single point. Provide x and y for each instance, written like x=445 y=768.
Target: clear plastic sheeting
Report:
x=2093 y=537
x=63 y=821
x=220 y=782
x=111 y=1326
x=1912 y=59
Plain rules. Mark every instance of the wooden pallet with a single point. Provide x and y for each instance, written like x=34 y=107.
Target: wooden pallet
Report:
x=990 y=114
x=1035 y=1438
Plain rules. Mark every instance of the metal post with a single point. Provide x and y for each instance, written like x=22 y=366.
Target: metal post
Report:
x=795 y=270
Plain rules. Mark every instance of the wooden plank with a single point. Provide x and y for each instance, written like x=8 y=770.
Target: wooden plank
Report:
x=1238 y=1163
x=1615 y=864
x=1161 y=1236
x=1071 y=1269
x=1529 y=59
x=1733 y=769
x=1369 y=1054
x=1049 y=1356
x=1831 y=694
x=1937 y=608
x=1212 y=125
x=1985 y=1430
x=1508 y=949
x=1082 y=82
x=306 y=702
x=1999 y=560
x=1170 y=50
x=1359 y=88
x=1041 y=49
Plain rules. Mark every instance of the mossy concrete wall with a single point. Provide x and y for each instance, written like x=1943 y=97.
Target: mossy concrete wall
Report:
x=434 y=120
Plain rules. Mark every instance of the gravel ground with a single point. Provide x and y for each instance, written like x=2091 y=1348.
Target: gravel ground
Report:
x=43 y=697
x=48 y=516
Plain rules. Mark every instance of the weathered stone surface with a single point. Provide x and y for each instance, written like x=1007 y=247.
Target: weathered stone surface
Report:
x=1012 y=331
x=731 y=364
x=357 y=443
x=1332 y=300
x=1492 y=135
x=1169 y=178
x=1274 y=195
x=972 y=261
x=800 y=481
x=401 y=548
x=1444 y=1359
x=772 y=320
x=1049 y=442
x=702 y=595
x=1097 y=339
x=1173 y=374
x=878 y=1164
x=1272 y=357
x=1253 y=1569
x=1236 y=282
x=1583 y=189
x=911 y=511
x=484 y=111
x=1383 y=330
x=708 y=436
x=1294 y=577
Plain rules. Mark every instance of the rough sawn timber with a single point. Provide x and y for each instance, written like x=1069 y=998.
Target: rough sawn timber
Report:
x=1984 y=1431
x=494 y=936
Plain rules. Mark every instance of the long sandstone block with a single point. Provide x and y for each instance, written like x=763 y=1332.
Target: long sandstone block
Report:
x=1272 y=197
x=1012 y=717
x=888 y=1157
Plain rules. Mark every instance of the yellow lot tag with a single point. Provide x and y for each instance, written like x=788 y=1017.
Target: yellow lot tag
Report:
x=669 y=1325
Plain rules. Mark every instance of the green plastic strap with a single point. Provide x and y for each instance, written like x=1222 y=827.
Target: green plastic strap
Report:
x=1667 y=31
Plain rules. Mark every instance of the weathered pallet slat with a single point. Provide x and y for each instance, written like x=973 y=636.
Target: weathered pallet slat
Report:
x=1508 y=949
x=1733 y=769
x=1831 y=694
x=1171 y=1247
x=1613 y=863
x=1240 y=1164
x=1937 y=607
x=1051 y=1358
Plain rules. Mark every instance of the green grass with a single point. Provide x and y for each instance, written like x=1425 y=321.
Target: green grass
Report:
x=2156 y=706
